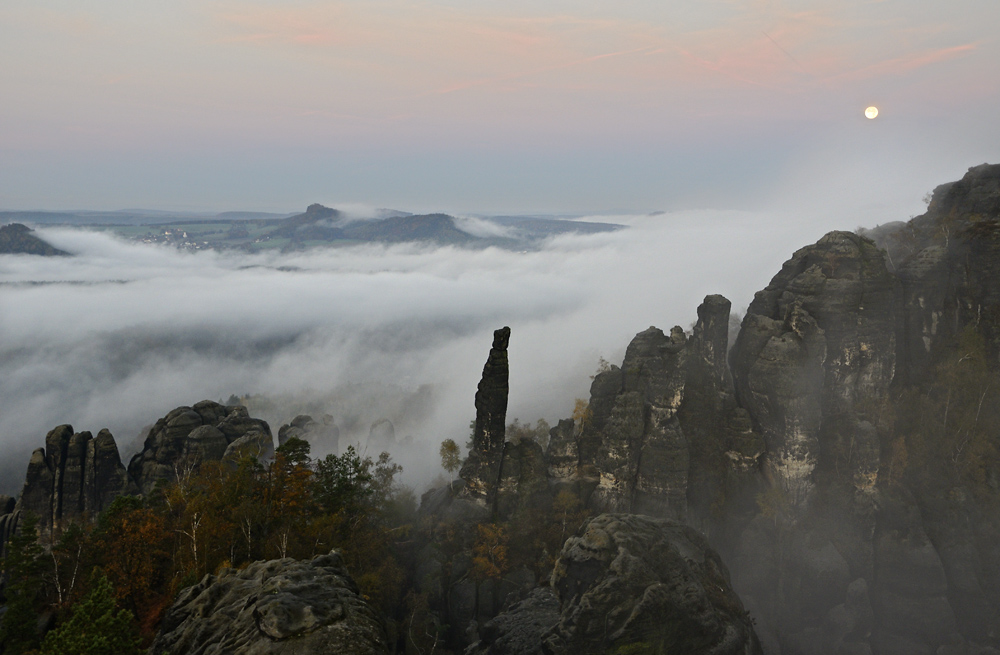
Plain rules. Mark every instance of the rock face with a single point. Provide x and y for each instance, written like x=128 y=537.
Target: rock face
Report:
x=520 y=629
x=816 y=345
x=190 y=435
x=481 y=470
x=641 y=454
x=323 y=432
x=949 y=266
x=73 y=477
x=645 y=582
x=381 y=436
x=275 y=607
x=663 y=434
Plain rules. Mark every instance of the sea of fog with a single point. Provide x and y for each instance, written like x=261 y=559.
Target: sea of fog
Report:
x=119 y=334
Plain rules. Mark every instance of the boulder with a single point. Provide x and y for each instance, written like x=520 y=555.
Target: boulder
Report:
x=283 y=606
x=639 y=582
x=187 y=436
x=519 y=630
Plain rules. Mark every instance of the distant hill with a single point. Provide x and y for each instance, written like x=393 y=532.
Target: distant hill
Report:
x=318 y=226
x=321 y=223
x=129 y=217
x=18 y=239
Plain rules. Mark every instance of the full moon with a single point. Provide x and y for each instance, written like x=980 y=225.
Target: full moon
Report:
x=871 y=112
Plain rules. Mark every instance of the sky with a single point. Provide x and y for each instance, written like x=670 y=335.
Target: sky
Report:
x=494 y=107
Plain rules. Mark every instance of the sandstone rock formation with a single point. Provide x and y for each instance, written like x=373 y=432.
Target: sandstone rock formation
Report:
x=75 y=476
x=323 y=433
x=663 y=434
x=634 y=580
x=816 y=345
x=274 y=607
x=190 y=435
x=520 y=629
x=381 y=436
x=481 y=470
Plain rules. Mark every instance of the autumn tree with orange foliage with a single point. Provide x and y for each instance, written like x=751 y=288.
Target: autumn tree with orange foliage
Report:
x=132 y=545
x=489 y=554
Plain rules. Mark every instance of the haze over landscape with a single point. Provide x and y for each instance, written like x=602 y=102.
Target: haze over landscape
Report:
x=334 y=208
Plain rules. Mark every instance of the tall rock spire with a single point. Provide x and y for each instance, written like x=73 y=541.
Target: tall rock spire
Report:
x=482 y=468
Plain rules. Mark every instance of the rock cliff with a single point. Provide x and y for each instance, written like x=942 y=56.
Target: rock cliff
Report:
x=633 y=580
x=844 y=460
x=73 y=478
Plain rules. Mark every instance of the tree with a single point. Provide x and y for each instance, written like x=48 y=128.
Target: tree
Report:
x=132 y=550
x=517 y=432
x=67 y=556
x=489 y=554
x=94 y=626
x=343 y=482
x=581 y=414
x=23 y=568
x=290 y=496
x=451 y=456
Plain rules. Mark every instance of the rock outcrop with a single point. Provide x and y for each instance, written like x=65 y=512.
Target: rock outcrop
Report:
x=663 y=434
x=74 y=477
x=188 y=436
x=519 y=630
x=816 y=354
x=850 y=552
x=274 y=607
x=635 y=581
x=381 y=436
x=641 y=455
x=323 y=433
x=481 y=470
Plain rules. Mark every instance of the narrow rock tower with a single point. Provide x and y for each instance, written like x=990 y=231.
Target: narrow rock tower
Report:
x=482 y=468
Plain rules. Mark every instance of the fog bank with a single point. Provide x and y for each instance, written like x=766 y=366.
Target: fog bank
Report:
x=121 y=333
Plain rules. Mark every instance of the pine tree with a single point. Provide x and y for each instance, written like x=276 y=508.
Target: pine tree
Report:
x=94 y=626
x=23 y=568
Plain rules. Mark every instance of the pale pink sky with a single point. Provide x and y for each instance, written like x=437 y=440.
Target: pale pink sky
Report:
x=487 y=105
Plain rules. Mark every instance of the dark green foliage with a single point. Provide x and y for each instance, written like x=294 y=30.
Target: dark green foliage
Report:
x=296 y=451
x=353 y=484
x=18 y=239
x=23 y=568
x=95 y=626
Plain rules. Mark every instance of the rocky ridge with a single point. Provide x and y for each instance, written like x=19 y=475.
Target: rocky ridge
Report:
x=787 y=458
x=77 y=475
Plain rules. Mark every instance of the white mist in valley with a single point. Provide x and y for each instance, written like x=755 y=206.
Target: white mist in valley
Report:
x=120 y=333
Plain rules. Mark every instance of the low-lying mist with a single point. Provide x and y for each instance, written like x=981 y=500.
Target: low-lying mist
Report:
x=121 y=333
